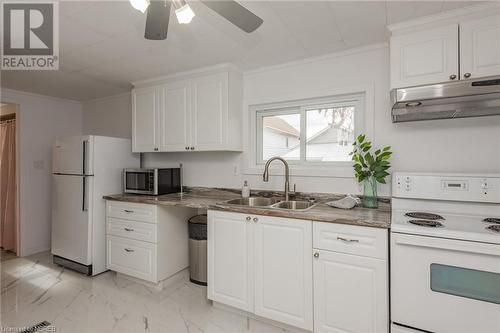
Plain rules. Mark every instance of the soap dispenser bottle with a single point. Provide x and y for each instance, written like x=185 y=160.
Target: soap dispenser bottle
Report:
x=245 y=190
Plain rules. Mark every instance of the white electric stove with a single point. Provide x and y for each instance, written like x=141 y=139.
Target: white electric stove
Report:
x=445 y=253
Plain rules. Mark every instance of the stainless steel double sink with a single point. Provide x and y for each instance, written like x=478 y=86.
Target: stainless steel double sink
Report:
x=273 y=203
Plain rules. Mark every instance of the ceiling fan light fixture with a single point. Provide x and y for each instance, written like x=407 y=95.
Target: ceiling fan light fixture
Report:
x=184 y=14
x=140 y=5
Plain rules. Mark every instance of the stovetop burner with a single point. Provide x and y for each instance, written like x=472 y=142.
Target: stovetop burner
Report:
x=426 y=223
x=492 y=220
x=494 y=228
x=425 y=216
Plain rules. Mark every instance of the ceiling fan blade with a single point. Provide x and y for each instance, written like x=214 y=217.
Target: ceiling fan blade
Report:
x=235 y=13
x=157 y=20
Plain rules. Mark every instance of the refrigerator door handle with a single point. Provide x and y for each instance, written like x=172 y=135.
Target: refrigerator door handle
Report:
x=84 y=159
x=84 y=194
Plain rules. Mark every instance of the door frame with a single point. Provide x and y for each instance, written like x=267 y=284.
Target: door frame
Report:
x=18 y=176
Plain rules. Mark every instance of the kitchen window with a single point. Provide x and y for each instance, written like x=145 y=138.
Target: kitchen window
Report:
x=312 y=132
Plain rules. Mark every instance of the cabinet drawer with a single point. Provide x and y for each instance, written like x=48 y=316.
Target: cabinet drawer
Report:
x=131 y=229
x=363 y=241
x=131 y=257
x=131 y=211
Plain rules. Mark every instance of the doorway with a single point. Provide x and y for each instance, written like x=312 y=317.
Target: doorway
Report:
x=9 y=216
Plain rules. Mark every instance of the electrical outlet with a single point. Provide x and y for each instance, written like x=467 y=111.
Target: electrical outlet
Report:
x=236 y=170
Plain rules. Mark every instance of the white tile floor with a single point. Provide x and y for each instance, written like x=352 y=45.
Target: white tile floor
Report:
x=34 y=290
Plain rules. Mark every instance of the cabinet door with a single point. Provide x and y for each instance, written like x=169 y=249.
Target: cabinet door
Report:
x=209 y=112
x=145 y=120
x=131 y=257
x=480 y=47
x=283 y=270
x=350 y=293
x=175 y=116
x=230 y=260
x=424 y=57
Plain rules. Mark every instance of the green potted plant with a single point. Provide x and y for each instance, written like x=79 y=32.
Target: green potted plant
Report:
x=370 y=168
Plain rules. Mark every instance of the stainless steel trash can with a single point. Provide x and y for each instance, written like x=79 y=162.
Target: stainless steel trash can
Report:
x=198 y=249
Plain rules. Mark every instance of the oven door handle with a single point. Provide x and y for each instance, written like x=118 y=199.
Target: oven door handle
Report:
x=445 y=244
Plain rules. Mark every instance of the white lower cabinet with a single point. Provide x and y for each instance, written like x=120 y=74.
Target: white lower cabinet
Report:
x=147 y=242
x=350 y=293
x=351 y=289
x=262 y=265
x=283 y=270
x=230 y=260
x=131 y=257
x=278 y=268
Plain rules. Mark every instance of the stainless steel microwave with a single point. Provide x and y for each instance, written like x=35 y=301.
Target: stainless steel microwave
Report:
x=152 y=181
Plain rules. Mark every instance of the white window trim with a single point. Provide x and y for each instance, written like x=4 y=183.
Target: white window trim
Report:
x=321 y=169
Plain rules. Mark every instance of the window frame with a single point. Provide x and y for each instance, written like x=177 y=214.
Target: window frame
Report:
x=302 y=107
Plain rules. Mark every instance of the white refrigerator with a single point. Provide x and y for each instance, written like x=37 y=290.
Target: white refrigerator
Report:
x=85 y=168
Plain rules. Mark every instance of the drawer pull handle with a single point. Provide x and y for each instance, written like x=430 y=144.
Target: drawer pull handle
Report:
x=348 y=240
x=128 y=229
x=128 y=211
x=128 y=250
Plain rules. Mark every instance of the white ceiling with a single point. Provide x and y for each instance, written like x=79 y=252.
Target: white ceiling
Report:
x=102 y=47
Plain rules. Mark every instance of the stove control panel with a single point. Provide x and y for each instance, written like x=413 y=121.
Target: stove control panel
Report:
x=457 y=187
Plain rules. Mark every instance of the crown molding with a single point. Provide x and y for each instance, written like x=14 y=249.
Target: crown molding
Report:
x=13 y=92
x=186 y=74
x=454 y=15
x=106 y=98
x=326 y=57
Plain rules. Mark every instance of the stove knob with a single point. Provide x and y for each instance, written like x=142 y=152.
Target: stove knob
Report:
x=484 y=184
x=407 y=187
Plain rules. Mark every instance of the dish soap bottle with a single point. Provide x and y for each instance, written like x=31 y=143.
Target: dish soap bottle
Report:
x=245 y=190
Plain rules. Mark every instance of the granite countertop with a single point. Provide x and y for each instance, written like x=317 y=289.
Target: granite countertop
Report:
x=210 y=198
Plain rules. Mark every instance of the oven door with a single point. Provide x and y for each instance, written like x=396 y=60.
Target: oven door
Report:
x=443 y=285
x=140 y=181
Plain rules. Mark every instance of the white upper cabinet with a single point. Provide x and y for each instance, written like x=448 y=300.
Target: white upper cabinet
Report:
x=480 y=47
x=209 y=112
x=195 y=112
x=145 y=136
x=175 y=129
x=466 y=49
x=424 y=57
x=283 y=270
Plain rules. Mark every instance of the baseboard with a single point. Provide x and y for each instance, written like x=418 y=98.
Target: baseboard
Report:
x=34 y=250
x=181 y=276
x=250 y=315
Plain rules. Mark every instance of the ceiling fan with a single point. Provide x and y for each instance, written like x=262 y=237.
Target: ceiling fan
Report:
x=158 y=14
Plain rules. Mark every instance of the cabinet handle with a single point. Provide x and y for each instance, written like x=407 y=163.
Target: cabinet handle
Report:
x=156 y=149
x=128 y=250
x=255 y=219
x=453 y=77
x=192 y=148
x=128 y=211
x=316 y=255
x=248 y=218
x=128 y=229
x=187 y=148
x=467 y=75
x=348 y=240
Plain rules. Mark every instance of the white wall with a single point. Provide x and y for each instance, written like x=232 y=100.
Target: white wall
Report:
x=40 y=120
x=109 y=116
x=459 y=145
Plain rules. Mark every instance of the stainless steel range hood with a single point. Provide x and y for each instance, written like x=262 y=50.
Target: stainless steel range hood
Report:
x=458 y=99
